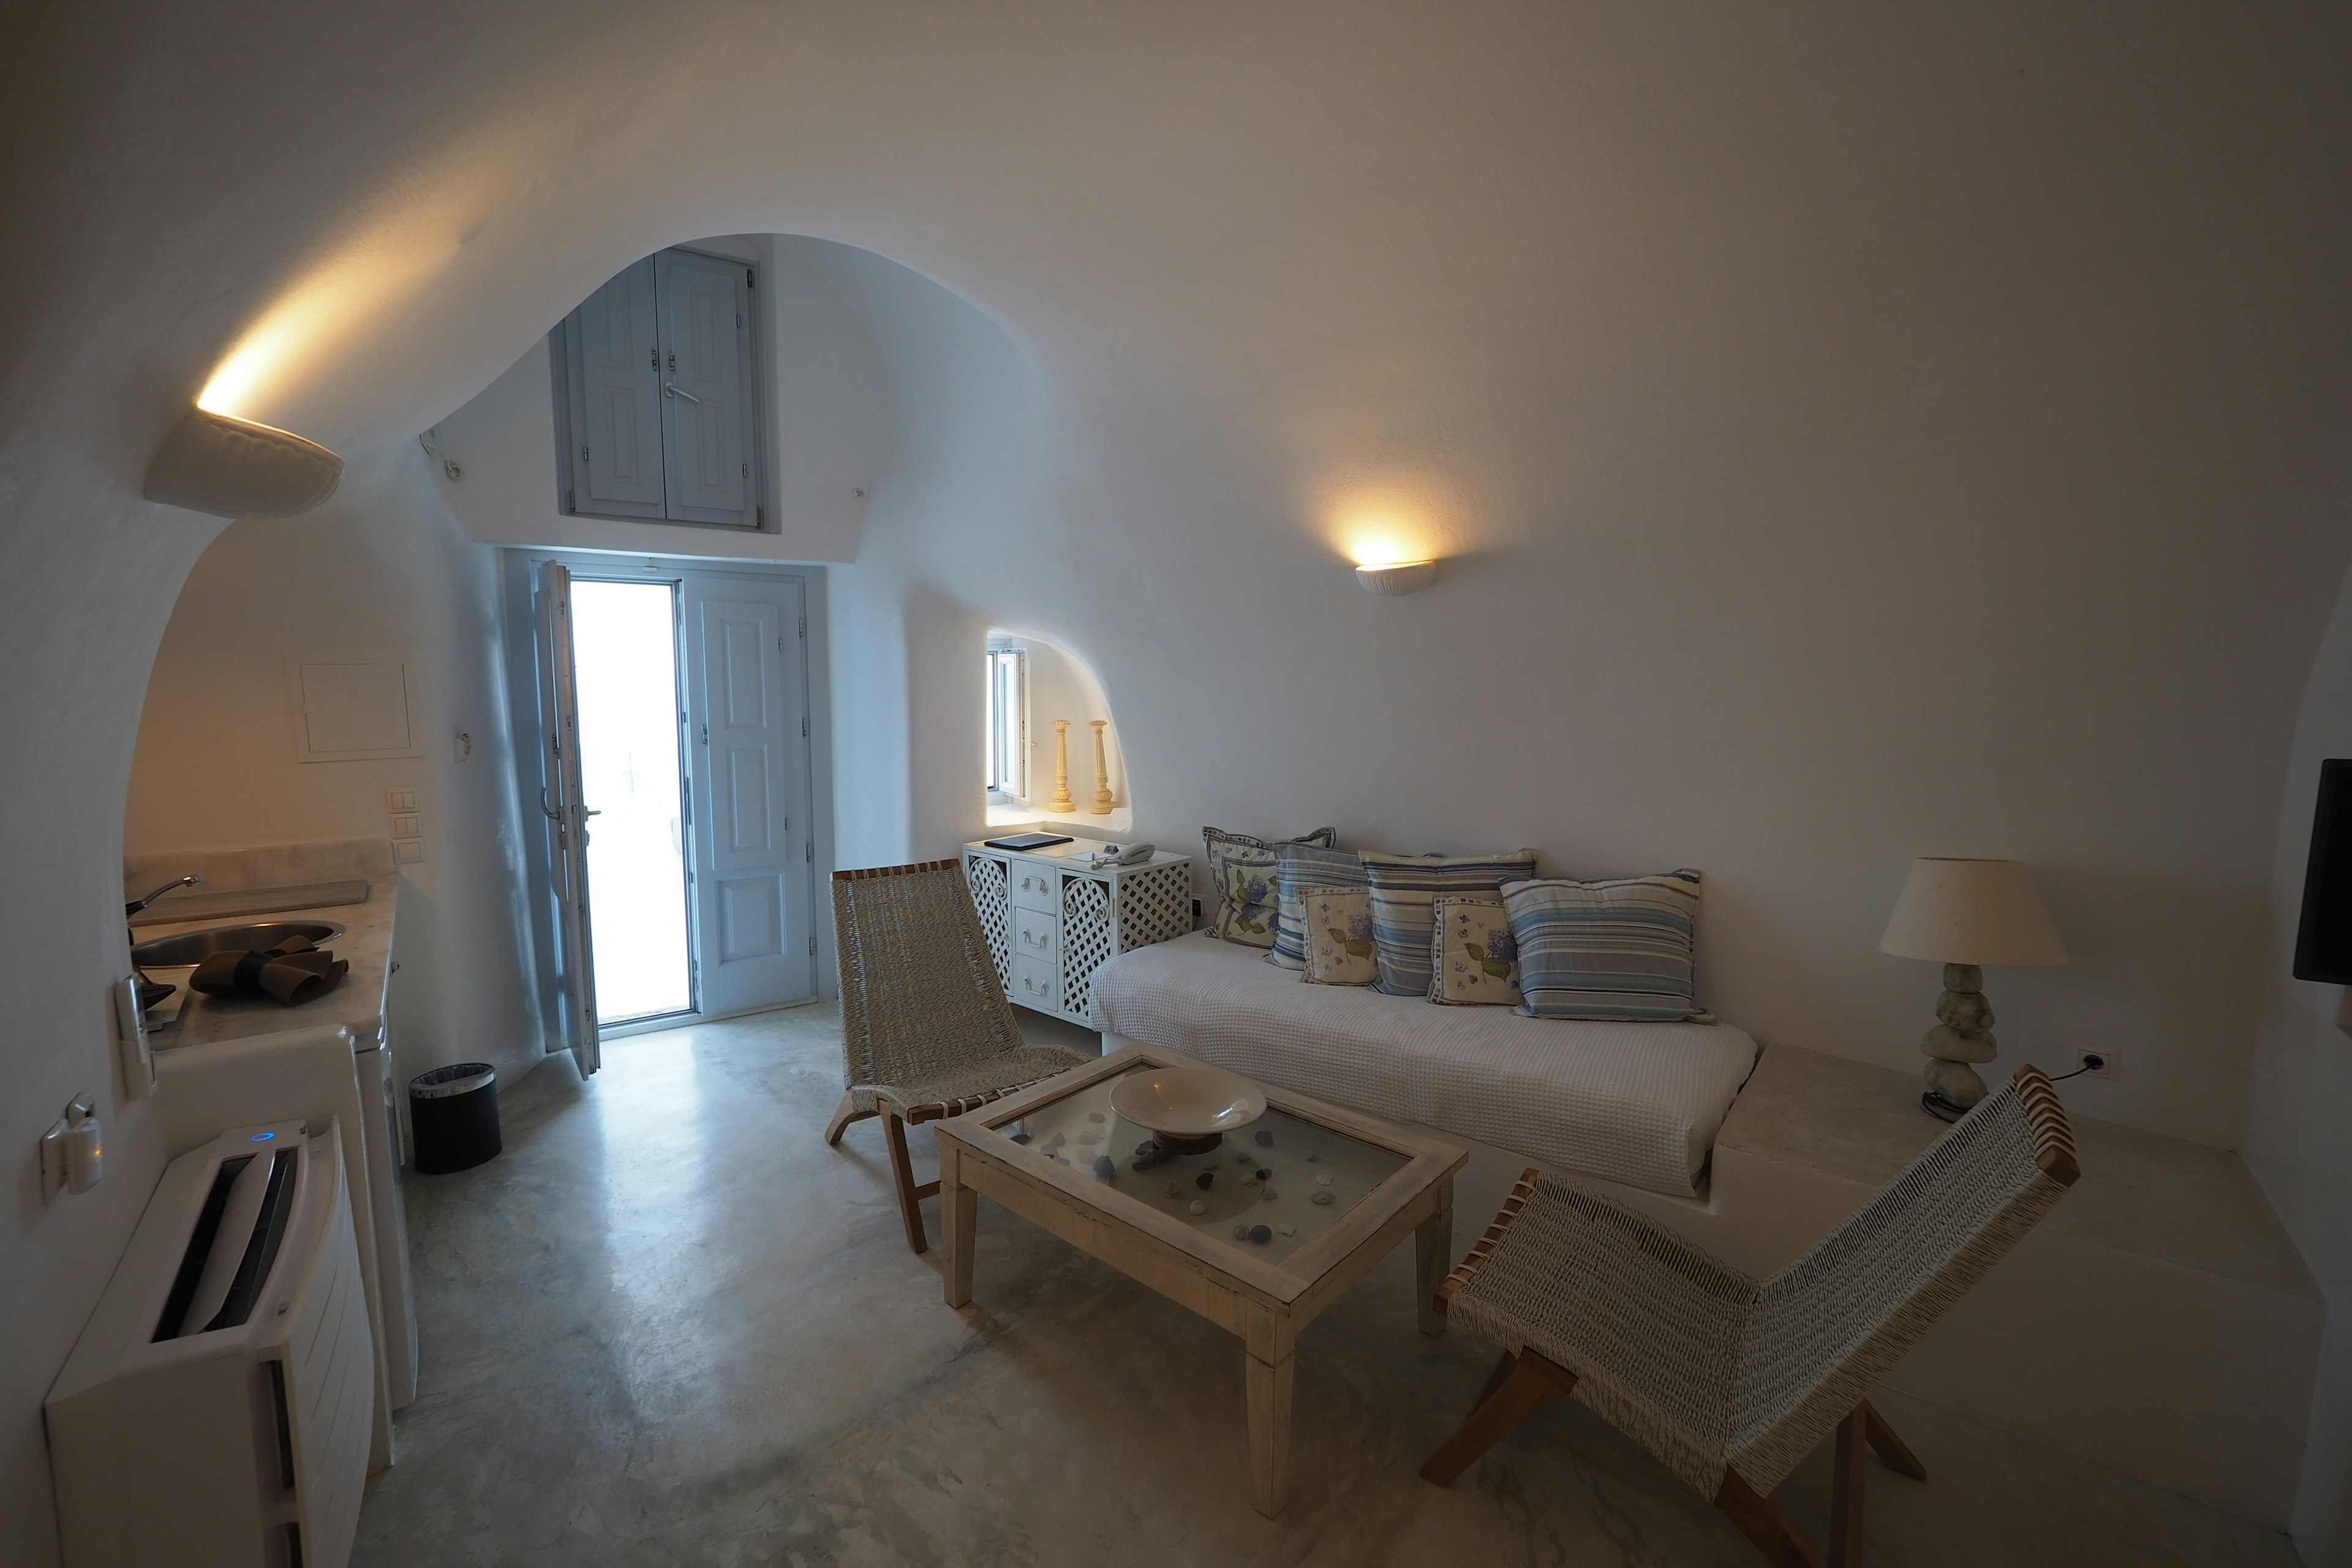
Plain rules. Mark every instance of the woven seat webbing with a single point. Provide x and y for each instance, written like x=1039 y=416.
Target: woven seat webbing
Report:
x=1475 y=1259
x=1709 y=1369
x=921 y=1009
x=1830 y=1325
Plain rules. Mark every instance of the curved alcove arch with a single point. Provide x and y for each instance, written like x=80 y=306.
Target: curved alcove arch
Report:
x=1058 y=683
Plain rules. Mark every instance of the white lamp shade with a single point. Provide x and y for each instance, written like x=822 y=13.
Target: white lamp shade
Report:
x=1398 y=578
x=1984 y=912
x=233 y=467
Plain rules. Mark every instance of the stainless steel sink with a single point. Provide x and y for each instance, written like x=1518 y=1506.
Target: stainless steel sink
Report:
x=195 y=946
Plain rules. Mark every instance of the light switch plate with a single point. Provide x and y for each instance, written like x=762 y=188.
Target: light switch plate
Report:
x=400 y=797
x=408 y=851
x=404 y=827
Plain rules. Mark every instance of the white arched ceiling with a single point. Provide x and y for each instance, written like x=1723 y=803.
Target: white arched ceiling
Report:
x=1855 y=433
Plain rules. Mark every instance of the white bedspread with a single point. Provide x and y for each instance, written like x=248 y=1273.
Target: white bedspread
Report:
x=1637 y=1103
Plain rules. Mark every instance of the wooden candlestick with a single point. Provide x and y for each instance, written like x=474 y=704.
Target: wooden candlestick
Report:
x=1102 y=771
x=1062 y=801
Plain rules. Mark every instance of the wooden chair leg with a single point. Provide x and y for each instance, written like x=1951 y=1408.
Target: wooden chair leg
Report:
x=843 y=1115
x=1891 y=1448
x=1522 y=1386
x=902 y=1171
x=1760 y=1519
x=1494 y=1378
x=1852 y=1443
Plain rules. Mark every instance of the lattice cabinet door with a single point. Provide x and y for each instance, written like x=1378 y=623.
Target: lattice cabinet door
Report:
x=1052 y=923
x=991 y=896
x=1155 y=904
x=1090 y=935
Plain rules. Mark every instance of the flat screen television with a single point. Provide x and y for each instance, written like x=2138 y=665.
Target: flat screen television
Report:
x=2322 y=943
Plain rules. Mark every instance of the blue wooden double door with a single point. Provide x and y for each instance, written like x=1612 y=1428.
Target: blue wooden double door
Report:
x=707 y=713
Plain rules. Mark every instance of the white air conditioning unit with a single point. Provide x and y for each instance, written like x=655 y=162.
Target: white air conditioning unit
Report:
x=215 y=1411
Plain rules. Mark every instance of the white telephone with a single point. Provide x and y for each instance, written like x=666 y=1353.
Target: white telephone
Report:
x=1123 y=854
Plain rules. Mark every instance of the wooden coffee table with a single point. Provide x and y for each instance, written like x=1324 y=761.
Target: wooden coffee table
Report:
x=1036 y=1153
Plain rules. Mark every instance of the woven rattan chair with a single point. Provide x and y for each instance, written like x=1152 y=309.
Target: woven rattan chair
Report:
x=926 y=1031
x=1731 y=1381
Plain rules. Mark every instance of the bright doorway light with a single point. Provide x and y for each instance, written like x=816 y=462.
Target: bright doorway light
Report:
x=624 y=643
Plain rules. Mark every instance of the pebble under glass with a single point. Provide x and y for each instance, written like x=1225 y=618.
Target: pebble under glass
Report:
x=1312 y=1173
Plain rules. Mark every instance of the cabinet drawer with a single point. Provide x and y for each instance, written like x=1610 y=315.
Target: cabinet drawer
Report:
x=1035 y=936
x=1036 y=984
x=1035 y=888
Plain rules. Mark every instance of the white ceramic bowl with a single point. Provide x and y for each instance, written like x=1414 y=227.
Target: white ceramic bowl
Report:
x=1190 y=1102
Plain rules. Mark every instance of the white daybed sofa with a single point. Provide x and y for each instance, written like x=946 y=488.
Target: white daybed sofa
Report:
x=1633 y=1103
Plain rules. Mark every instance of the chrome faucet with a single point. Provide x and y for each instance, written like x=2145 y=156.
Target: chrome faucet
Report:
x=136 y=905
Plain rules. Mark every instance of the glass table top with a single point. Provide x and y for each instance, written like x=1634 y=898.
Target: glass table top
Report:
x=1268 y=1189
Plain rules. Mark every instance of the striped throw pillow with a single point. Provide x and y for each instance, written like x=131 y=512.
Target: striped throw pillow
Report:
x=1404 y=893
x=1297 y=865
x=1620 y=950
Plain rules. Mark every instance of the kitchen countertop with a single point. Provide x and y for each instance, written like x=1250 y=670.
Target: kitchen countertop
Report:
x=365 y=944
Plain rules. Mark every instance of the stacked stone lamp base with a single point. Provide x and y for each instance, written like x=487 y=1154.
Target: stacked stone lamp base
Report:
x=1961 y=1038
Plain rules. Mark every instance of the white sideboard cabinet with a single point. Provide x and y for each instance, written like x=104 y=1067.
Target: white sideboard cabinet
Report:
x=1052 y=921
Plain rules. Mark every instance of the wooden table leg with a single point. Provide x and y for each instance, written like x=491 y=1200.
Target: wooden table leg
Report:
x=1269 y=1432
x=958 y=1211
x=1433 y=1257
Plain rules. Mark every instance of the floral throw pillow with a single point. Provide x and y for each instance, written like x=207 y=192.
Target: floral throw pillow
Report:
x=1405 y=889
x=1338 y=928
x=1241 y=868
x=1297 y=867
x=1472 y=951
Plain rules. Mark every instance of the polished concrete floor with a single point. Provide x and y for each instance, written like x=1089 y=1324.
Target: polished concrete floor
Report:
x=670 y=1326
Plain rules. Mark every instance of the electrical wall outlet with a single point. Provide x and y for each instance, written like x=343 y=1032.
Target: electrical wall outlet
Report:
x=2096 y=1062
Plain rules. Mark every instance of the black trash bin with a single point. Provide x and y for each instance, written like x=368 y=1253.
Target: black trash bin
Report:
x=453 y=1117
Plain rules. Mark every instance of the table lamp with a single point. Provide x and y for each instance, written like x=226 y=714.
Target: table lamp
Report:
x=1966 y=914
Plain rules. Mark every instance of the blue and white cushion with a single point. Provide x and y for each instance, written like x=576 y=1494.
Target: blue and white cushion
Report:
x=1620 y=950
x=1241 y=868
x=1404 y=889
x=1297 y=865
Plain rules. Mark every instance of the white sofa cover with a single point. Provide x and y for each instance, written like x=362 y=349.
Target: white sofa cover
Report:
x=1637 y=1103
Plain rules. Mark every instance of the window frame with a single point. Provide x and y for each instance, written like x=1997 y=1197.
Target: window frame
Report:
x=1013 y=791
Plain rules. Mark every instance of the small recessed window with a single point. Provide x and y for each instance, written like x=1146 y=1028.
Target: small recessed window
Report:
x=657 y=382
x=1008 y=726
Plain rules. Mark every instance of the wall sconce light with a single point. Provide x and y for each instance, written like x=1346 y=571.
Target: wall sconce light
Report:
x=1397 y=577
x=233 y=467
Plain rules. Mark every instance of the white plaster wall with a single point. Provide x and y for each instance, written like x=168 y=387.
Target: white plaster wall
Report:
x=1662 y=675
x=2297 y=1142
x=1859 y=432
x=381 y=570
